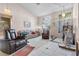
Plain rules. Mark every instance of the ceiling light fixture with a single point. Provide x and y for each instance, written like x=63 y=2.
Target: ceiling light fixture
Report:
x=7 y=11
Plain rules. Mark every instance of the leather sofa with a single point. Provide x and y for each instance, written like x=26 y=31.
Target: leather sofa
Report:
x=12 y=42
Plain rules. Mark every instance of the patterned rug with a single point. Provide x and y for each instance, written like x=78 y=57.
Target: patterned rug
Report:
x=24 y=51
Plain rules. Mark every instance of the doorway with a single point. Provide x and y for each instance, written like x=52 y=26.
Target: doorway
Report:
x=46 y=22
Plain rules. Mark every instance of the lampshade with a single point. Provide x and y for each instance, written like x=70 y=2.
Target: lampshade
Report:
x=63 y=14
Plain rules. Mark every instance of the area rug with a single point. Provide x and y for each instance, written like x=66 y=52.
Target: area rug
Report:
x=24 y=51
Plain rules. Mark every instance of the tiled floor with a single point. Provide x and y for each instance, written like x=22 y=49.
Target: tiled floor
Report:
x=3 y=54
x=48 y=48
x=58 y=40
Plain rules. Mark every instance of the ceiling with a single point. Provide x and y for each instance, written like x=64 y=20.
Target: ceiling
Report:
x=40 y=9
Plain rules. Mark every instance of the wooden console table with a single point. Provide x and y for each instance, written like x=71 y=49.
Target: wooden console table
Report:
x=72 y=47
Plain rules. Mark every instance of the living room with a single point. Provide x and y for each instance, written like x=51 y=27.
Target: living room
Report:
x=35 y=28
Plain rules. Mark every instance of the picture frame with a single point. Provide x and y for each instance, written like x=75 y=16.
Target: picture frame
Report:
x=27 y=24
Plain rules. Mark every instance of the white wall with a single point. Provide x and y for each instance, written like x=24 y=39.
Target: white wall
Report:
x=19 y=15
x=76 y=20
x=75 y=15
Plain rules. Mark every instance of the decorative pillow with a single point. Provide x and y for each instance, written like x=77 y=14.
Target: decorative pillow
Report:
x=33 y=33
x=13 y=36
x=9 y=37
